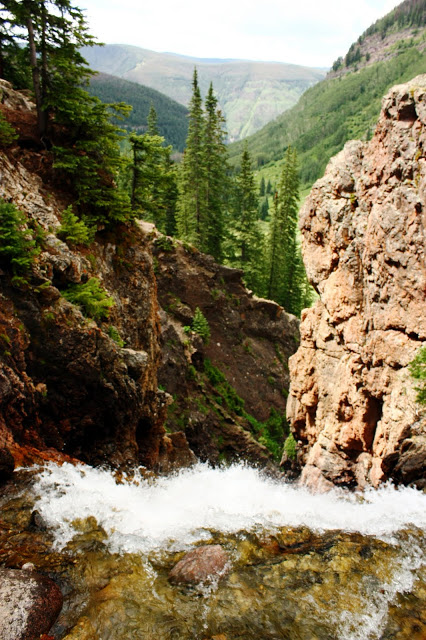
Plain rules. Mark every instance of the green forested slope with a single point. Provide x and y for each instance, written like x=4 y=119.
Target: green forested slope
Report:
x=330 y=113
x=172 y=117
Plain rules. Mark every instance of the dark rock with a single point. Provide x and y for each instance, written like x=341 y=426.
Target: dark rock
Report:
x=203 y=564
x=29 y=604
x=7 y=464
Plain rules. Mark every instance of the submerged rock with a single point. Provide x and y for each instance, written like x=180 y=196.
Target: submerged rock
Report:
x=352 y=402
x=29 y=604
x=203 y=564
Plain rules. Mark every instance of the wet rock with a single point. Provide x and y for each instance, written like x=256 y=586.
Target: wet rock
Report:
x=29 y=604
x=203 y=564
x=7 y=464
x=352 y=401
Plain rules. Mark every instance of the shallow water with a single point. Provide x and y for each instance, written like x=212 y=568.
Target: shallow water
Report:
x=328 y=566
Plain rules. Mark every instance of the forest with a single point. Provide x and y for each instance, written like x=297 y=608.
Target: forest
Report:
x=199 y=200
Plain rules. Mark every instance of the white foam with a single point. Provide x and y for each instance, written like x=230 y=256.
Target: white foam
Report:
x=181 y=509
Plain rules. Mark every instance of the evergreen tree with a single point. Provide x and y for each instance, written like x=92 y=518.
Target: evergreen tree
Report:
x=286 y=282
x=215 y=162
x=262 y=187
x=152 y=122
x=153 y=191
x=247 y=238
x=190 y=214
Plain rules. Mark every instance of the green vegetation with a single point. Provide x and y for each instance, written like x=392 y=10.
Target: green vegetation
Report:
x=171 y=116
x=18 y=248
x=73 y=230
x=329 y=114
x=114 y=334
x=290 y=446
x=200 y=325
x=153 y=189
x=46 y=38
x=270 y=433
x=93 y=301
x=7 y=132
x=418 y=372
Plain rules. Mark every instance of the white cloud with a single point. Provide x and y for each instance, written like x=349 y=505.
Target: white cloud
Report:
x=305 y=32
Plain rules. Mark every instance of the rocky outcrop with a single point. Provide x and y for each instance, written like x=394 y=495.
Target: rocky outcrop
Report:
x=352 y=401
x=66 y=387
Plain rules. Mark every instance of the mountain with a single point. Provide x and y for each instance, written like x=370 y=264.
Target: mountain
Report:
x=250 y=93
x=346 y=104
x=172 y=117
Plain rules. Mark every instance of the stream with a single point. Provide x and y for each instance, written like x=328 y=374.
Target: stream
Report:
x=334 y=566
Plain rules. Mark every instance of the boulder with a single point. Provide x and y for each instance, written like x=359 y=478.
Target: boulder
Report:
x=29 y=604
x=203 y=564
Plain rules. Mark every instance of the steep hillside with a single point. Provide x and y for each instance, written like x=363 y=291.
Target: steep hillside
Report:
x=334 y=111
x=352 y=400
x=402 y=28
x=250 y=93
x=172 y=117
x=73 y=383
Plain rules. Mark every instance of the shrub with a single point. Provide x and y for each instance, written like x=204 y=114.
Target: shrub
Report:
x=7 y=132
x=418 y=371
x=114 y=334
x=200 y=325
x=290 y=446
x=73 y=230
x=93 y=301
x=17 y=246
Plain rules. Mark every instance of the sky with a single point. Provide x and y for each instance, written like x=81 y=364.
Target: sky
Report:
x=307 y=32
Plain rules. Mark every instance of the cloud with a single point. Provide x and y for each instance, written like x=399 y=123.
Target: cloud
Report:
x=305 y=32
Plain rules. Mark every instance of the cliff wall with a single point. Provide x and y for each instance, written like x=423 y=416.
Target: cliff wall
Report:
x=352 y=401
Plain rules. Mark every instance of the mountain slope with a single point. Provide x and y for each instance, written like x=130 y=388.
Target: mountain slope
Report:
x=250 y=93
x=172 y=117
x=334 y=111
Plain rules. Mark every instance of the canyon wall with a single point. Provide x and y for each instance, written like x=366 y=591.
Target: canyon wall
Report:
x=352 y=402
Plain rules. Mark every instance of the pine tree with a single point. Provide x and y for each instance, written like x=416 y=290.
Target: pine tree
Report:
x=215 y=162
x=190 y=214
x=153 y=191
x=262 y=187
x=247 y=237
x=286 y=282
x=152 y=122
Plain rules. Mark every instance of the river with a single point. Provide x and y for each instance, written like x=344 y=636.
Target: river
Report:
x=304 y=566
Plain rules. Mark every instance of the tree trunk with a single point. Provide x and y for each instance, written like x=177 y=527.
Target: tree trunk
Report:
x=36 y=76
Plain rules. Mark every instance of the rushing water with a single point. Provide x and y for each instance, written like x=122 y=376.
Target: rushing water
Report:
x=305 y=566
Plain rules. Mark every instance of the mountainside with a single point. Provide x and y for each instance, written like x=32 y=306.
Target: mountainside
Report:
x=172 y=117
x=250 y=93
x=74 y=386
x=352 y=402
x=336 y=110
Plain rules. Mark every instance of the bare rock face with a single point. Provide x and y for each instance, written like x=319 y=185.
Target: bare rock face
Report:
x=29 y=604
x=352 y=402
x=205 y=563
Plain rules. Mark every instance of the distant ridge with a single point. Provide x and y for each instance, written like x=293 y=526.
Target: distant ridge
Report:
x=172 y=117
x=250 y=93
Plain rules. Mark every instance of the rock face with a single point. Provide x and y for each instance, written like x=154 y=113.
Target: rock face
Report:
x=66 y=387
x=352 y=401
x=29 y=604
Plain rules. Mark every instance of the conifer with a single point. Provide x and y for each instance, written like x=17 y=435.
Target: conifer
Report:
x=190 y=214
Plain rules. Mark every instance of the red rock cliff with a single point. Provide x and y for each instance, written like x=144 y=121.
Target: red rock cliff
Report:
x=352 y=401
